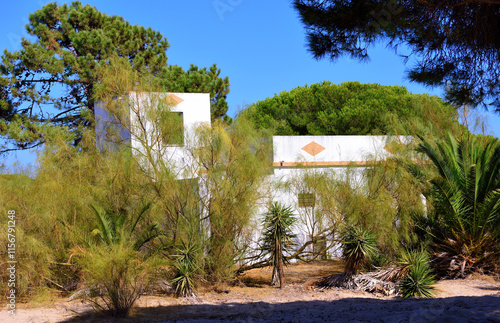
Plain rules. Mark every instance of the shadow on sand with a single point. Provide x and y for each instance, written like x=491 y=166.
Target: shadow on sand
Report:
x=452 y=309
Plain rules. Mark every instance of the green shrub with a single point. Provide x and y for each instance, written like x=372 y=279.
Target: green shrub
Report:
x=115 y=278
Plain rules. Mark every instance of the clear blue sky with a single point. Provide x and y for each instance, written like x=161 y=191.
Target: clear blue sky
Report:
x=259 y=45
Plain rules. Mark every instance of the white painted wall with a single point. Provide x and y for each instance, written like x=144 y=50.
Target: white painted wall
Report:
x=292 y=162
x=337 y=148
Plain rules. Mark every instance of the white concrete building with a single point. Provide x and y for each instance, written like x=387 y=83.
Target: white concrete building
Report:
x=134 y=128
x=293 y=156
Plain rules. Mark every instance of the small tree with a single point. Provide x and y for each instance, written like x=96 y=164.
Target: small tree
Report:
x=212 y=196
x=277 y=238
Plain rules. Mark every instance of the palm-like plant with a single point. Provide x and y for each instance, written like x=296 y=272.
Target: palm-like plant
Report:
x=358 y=245
x=277 y=238
x=115 y=229
x=465 y=224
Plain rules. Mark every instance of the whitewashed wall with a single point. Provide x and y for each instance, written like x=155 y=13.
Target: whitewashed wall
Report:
x=335 y=150
x=294 y=156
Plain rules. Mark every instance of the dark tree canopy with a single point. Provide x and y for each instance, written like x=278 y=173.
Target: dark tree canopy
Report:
x=350 y=108
x=456 y=42
x=48 y=84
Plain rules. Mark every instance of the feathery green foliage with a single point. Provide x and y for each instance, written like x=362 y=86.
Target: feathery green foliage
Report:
x=277 y=238
x=123 y=230
x=211 y=197
x=43 y=201
x=235 y=160
x=116 y=277
x=320 y=219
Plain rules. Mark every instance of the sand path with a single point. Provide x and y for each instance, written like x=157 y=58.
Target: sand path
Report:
x=456 y=301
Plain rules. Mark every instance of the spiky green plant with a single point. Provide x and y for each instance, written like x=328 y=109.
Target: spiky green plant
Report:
x=418 y=282
x=186 y=269
x=278 y=238
x=412 y=258
x=465 y=194
x=357 y=246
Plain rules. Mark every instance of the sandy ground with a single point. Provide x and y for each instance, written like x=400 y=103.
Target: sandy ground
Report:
x=476 y=299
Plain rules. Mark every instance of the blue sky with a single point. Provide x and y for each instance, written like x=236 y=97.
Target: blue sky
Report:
x=259 y=45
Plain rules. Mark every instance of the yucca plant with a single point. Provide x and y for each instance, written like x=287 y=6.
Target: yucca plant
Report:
x=357 y=246
x=418 y=282
x=186 y=269
x=278 y=238
x=412 y=258
x=465 y=194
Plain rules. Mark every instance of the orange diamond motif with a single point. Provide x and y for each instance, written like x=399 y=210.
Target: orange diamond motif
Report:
x=313 y=148
x=391 y=147
x=172 y=100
